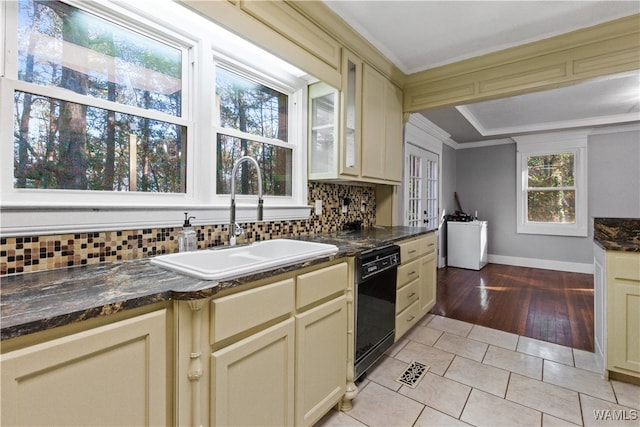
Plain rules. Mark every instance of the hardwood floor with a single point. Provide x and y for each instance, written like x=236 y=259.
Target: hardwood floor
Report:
x=548 y=305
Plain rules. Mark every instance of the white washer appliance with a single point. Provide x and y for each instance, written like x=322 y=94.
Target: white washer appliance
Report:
x=467 y=244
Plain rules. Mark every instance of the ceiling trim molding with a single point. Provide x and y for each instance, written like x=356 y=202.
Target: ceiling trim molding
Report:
x=547 y=126
x=430 y=128
x=608 y=48
x=487 y=143
x=633 y=127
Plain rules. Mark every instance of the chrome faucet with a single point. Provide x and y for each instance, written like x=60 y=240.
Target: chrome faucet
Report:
x=235 y=229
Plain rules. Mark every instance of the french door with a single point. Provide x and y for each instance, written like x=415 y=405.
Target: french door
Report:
x=421 y=187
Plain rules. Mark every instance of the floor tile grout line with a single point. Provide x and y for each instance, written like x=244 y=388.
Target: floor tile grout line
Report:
x=510 y=375
x=488 y=344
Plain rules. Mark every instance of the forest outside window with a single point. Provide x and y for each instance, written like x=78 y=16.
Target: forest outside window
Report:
x=552 y=187
x=253 y=121
x=97 y=106
x=112 y=116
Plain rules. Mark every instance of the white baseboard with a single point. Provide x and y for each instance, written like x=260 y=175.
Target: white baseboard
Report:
x=546 y=264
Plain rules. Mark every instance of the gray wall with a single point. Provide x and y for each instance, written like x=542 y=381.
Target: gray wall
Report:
x=486 y=182
x=614 y=175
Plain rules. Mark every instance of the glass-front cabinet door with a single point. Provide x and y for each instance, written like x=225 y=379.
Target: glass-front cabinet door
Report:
x=323 y=131
x=352 y=114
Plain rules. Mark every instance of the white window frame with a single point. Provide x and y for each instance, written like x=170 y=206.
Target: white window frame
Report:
x=34 y=212
x=546 y=144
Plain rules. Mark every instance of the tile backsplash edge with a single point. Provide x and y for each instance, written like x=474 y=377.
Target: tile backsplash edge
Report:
x=38 y=253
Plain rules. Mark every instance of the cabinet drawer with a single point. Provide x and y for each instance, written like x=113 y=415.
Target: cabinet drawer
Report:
x=428 y=243
x=406 y=319
x=236 y=313
x=320 y=284
x=409 y=250
x=407 y=295
x=408 y=272
x=625 y=266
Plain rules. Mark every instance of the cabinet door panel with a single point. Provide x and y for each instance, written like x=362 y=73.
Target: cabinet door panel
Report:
x=393 y=133
x=253 y=379
x=321 y=360
x=373 y=123
x=428 y=283
x=624 y=336
x=114 y=374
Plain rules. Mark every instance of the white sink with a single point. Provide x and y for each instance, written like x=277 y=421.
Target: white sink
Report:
x=228 y=262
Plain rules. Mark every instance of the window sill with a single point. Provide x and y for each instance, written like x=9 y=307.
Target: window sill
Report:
x=574 y=230
x=36 y=220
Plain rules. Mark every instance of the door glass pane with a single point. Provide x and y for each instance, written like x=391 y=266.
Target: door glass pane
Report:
x=414 y=184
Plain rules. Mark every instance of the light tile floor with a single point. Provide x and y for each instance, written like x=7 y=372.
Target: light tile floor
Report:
x=485 y=377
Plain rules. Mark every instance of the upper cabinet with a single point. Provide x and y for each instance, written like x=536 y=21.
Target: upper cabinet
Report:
x=381 y=127
x=364 y=142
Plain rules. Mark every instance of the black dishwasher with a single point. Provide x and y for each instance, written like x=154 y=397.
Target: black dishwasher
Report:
x=376 y=276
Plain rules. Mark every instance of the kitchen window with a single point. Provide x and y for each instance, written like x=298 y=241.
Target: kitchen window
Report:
x=253 y=121
x=118 y=118
x=96 y=106
x=552 y=180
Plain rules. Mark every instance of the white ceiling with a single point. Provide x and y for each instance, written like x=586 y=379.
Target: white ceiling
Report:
x=418 y=35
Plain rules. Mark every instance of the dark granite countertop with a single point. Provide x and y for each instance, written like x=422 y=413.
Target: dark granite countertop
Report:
x=617 y=234
x=39 y=301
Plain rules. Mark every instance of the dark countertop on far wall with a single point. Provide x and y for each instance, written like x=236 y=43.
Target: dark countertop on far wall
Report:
x=617 y=234
x=34 y=302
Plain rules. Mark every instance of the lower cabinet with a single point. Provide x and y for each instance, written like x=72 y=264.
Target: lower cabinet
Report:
x=623 y=312
x=428 y=283
x=252 y=381
x=417 y=280
x=279 y=350
x=114 y=374
x=321 y=360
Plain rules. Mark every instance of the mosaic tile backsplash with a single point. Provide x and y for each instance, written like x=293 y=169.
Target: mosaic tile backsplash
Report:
x=46 y=252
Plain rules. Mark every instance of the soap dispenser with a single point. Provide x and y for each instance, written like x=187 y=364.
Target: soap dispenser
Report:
x=187 y=238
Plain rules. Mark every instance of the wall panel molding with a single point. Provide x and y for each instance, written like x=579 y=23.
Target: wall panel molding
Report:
x=608 y=48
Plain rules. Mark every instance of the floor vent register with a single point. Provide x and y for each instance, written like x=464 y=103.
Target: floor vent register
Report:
x=413 y=374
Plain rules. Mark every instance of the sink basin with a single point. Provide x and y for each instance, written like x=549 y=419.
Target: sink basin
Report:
x=228 y=262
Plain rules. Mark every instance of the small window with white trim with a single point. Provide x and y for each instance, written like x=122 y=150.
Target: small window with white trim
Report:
x=552 y=181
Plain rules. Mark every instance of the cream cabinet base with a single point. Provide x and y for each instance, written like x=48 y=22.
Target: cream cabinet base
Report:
x=113 y=374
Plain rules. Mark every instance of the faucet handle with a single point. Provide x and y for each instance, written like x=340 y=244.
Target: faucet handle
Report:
x=237 y=230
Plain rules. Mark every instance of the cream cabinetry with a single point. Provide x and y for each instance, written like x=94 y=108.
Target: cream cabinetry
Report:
x=274 y=354
x=416 y=283
x=623 y=312
x=381 y=127
x=252 y=381
x=362 y=139
x=115 y=374
x=279 y=16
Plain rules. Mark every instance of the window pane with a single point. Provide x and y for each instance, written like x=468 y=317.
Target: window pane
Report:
x=551 y=206
x=251 y=107
x=60 y=45
x=275 y=165
x=553 y=170
x=63 y=145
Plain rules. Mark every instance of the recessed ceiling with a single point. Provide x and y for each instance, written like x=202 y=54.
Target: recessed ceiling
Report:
x=418 y=35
